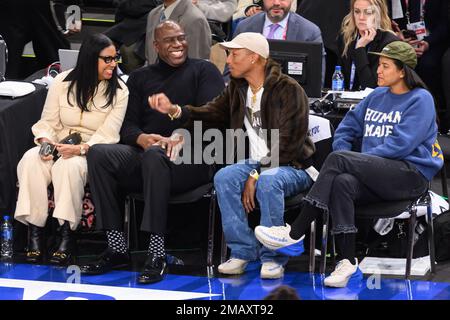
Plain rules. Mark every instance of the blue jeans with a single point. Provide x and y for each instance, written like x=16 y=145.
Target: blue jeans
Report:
x=272 y=187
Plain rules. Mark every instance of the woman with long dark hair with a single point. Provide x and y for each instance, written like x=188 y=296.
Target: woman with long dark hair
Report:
x=89 y=100
x=399 y=156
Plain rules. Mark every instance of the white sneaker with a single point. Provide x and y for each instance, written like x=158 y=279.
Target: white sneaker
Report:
x=278 y=239
x=343 y=272
x=271 y=270
x=233 y=266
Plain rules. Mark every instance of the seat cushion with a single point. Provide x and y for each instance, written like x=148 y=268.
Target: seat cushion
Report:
x=192 y=195
x=387 y=209
x=444 y=142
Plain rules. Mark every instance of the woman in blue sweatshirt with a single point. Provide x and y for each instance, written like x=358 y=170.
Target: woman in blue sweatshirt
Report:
x=395 y=129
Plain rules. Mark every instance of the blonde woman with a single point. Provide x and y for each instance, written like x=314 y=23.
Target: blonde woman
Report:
x=366 y=28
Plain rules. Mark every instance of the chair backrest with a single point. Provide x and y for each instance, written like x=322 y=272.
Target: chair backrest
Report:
x=321 y=132
x=444 y=142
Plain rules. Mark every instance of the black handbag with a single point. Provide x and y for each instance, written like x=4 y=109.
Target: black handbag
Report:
x=49 y=148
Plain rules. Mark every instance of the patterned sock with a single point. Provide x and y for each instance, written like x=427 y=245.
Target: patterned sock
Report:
x=116 y=241
x=156 y=246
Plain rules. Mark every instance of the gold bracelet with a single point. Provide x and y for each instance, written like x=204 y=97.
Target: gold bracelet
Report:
x=176 y=114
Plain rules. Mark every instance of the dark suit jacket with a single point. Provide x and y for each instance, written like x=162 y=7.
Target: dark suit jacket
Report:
x=131 y=20
x=328 y=15
x=436 y=19
x=366 y=64
x=36 y=24
x=298 y=29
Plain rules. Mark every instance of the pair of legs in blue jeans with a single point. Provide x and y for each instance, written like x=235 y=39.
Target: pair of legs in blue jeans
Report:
x=272 y=187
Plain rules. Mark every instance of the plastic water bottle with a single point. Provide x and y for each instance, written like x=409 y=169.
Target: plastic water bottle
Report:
x=6 y=251
x=337 y=81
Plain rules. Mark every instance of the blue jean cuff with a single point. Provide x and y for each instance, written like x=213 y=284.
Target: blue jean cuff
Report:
x=274 y=261
x=242 y=257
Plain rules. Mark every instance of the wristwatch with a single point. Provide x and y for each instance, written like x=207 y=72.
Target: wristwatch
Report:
x=254 y=174
x=82 y=151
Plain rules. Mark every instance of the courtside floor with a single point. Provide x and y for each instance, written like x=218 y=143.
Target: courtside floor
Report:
x=43 y=282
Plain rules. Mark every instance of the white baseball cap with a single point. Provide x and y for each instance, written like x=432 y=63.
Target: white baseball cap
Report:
x=252 y=41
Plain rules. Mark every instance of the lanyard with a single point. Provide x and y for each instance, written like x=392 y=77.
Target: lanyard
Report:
x=353 y=68
x=422 y=10
x=285 y=31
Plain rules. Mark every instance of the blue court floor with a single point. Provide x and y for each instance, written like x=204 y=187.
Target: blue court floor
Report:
x=43 y=282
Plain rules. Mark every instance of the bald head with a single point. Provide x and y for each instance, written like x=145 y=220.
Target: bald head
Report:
x=170 y=43
x=163 y=26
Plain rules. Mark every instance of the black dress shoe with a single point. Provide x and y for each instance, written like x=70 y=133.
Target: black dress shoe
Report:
x=35 y=250
x=108 y=261
x=63 y=256
x=154 y=270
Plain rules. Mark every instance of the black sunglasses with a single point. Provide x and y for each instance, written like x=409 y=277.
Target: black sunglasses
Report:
x=109 y=59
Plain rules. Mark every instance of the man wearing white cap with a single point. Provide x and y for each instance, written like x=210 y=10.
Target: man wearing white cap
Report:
x=259 y=97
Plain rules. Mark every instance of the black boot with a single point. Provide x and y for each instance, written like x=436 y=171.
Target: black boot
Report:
x=66 y=249
x=35 y=251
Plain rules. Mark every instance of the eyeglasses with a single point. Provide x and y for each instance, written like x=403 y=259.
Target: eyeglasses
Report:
x=109 y=59
x=367 y=12
x=179 y=38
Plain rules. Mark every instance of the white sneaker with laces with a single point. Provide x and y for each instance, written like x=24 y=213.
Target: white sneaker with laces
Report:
x=343 y=272
x=271 y=270
x=278 y=239
x=233 y=266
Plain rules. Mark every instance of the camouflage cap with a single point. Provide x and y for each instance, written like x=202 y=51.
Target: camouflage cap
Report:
x=401 y=51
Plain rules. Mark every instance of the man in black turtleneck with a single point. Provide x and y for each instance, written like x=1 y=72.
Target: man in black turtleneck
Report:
x=142 y=162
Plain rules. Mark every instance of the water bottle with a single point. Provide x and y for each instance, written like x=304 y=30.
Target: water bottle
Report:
x=337 y=81
x=6 y=251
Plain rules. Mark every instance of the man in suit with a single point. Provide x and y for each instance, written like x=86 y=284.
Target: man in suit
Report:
x=23 y=21
x=328 y=16
x=432 y=47
x=129 y=31
x=190 y=18
x=277 y=22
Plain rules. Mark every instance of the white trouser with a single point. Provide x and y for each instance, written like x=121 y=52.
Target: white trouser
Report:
x=68 y=176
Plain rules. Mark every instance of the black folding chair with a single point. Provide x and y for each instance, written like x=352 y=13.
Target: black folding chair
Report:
x=191 y=196
x=392 y=209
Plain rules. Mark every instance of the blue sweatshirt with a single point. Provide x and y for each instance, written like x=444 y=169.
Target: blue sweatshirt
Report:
x=394 y=126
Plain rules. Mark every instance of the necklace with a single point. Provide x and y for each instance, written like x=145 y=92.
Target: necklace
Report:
x=254 y=92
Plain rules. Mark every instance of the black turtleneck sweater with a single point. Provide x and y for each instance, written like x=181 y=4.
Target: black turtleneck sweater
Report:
x=195 y=83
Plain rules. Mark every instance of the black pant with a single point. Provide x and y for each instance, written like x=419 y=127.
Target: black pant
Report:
x=348 y=177
x=22 y=21
x=429 y=68
x=116 y=168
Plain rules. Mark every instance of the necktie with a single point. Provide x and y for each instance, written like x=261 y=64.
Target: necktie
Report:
x=273 y=28
x=162 y=17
